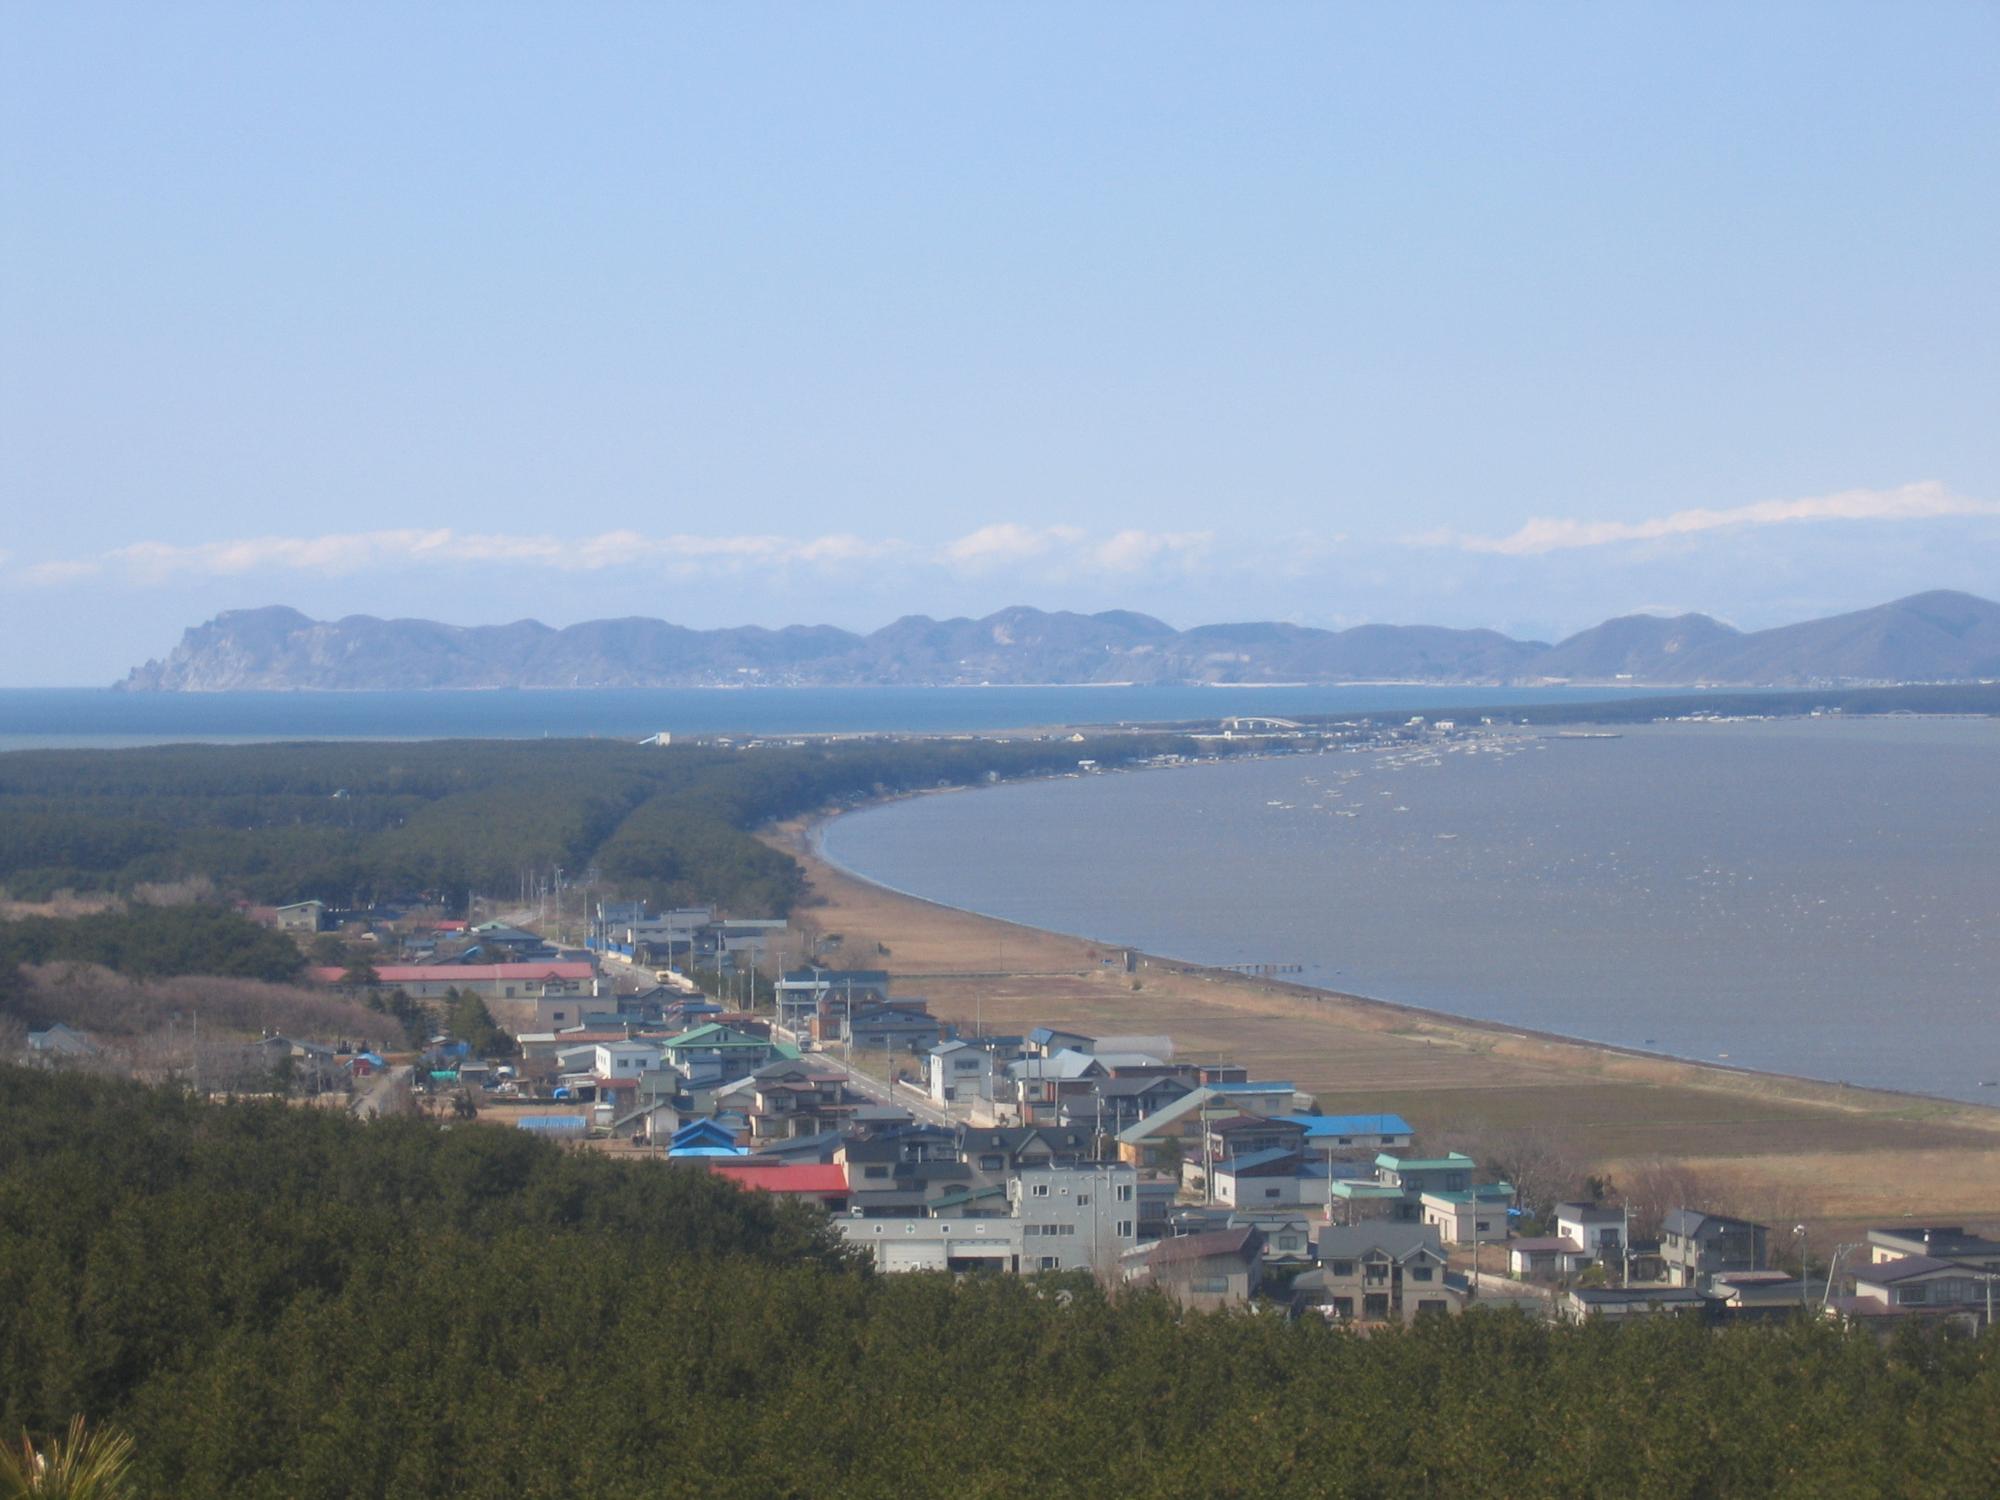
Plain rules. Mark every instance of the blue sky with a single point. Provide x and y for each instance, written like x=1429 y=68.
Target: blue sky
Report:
x=1516 y=315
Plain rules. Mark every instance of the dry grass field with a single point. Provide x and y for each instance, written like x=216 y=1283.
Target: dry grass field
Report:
x=1787 y=1149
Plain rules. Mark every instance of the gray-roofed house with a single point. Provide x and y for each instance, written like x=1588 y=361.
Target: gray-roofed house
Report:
x=1380 y=1272
x=1545 y=1257
x=1945 y=1242
x=60 y=1041
x=1696 y=1245
x=1598 y=1229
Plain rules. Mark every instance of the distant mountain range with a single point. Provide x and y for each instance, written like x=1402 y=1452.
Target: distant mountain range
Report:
x=1935 y=637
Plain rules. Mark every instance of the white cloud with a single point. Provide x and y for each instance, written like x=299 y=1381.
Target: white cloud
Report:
x=1058 y=552
x=1928 y=500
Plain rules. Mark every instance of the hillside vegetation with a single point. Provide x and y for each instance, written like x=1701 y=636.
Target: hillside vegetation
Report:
x=281 y=1303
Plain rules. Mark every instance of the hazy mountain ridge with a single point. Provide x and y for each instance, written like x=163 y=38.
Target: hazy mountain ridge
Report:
x=1933 y=637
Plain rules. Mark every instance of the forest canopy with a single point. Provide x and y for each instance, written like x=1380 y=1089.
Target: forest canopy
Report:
x=279 y=1302
x=354 y=823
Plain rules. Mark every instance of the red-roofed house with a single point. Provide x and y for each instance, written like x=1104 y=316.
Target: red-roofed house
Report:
x=826 y=1185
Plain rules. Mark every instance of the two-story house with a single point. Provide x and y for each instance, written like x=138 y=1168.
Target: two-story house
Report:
x=1599 y=1231
x=1694 y=1246
x=1380 y=1272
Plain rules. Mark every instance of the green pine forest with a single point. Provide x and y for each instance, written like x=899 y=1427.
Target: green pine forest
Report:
x=280 y=1302
x=349 y=823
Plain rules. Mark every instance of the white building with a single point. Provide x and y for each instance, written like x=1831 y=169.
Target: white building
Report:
x=960 y=1073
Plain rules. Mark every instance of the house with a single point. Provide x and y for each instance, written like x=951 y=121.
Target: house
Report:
x=1942 y=1242
x=897 y=1026
x=699 y=1138
x=300 y=916
x=1752 y=1295
x=1549 y=1257
x=1275 y=1178
x=1114 y=1103
x=1921 y=1286
x=565 y=1008
x=650 y=1121
x=1222 y=1268
x=1037 y=1086
x=1622 y=1303
x=364 y=1065
x=801 y=992
x=801 y=1149
x=1599 y=1230
x=1695 y=1245
x=1358 y=1134
x=795 y=1097
x=1046 y=1041
x=1010 y=1150
x=59 y=1041
x=1475 y=1216
x=957 y=1072
x=899 y=1172
x=1417 y=1175
x=626 y=1059
x=1288 y=1239
x=1380 y=1273
x=506 y=981
x=712 y=1052
x=824 y=1185
x=1172 y=1134
x=1246 y=1135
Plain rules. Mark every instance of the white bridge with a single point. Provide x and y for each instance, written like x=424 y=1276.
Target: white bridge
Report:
x=1259 y=721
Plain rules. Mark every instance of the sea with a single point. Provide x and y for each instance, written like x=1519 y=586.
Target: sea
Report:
x=1814 y=896
x=101 y=718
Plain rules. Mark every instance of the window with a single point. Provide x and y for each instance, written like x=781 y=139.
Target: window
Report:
x=1420 y=1273
x=1288 y=1242
x=1051 y=1262
x=1912 y=1294
x=875 y=1172
x=1124 y=1192
x=1343 y=1268
x=992 y=1163
x=1125 y=1229
x=1064 y=1228
x=1041 y=1190
x=1030 y=1229
x=559 y=1015
x=1343 y=1307
x=1270 y=1192
x=1209 y=1284
x=1432 y=1305
x=1083 y=1200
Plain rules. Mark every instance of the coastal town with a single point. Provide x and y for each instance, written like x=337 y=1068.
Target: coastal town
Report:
x=681 y=1040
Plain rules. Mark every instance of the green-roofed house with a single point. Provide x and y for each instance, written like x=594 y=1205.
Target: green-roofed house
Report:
x=714 y=1053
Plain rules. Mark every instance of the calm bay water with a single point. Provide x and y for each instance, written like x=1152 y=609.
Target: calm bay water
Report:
x=45 y=718
x=1804 y=896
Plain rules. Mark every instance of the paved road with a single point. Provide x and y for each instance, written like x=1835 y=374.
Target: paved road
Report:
x=903 y=1097
x=387 y=1093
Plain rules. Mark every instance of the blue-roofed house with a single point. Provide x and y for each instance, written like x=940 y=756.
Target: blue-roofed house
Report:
x=1362 y=1133
x=703 y=1138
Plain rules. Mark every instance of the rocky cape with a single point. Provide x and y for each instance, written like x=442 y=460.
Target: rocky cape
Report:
x=1934 y=637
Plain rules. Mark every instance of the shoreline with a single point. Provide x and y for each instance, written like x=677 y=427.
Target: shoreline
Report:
x=807 y=844
x=1770 y=1146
